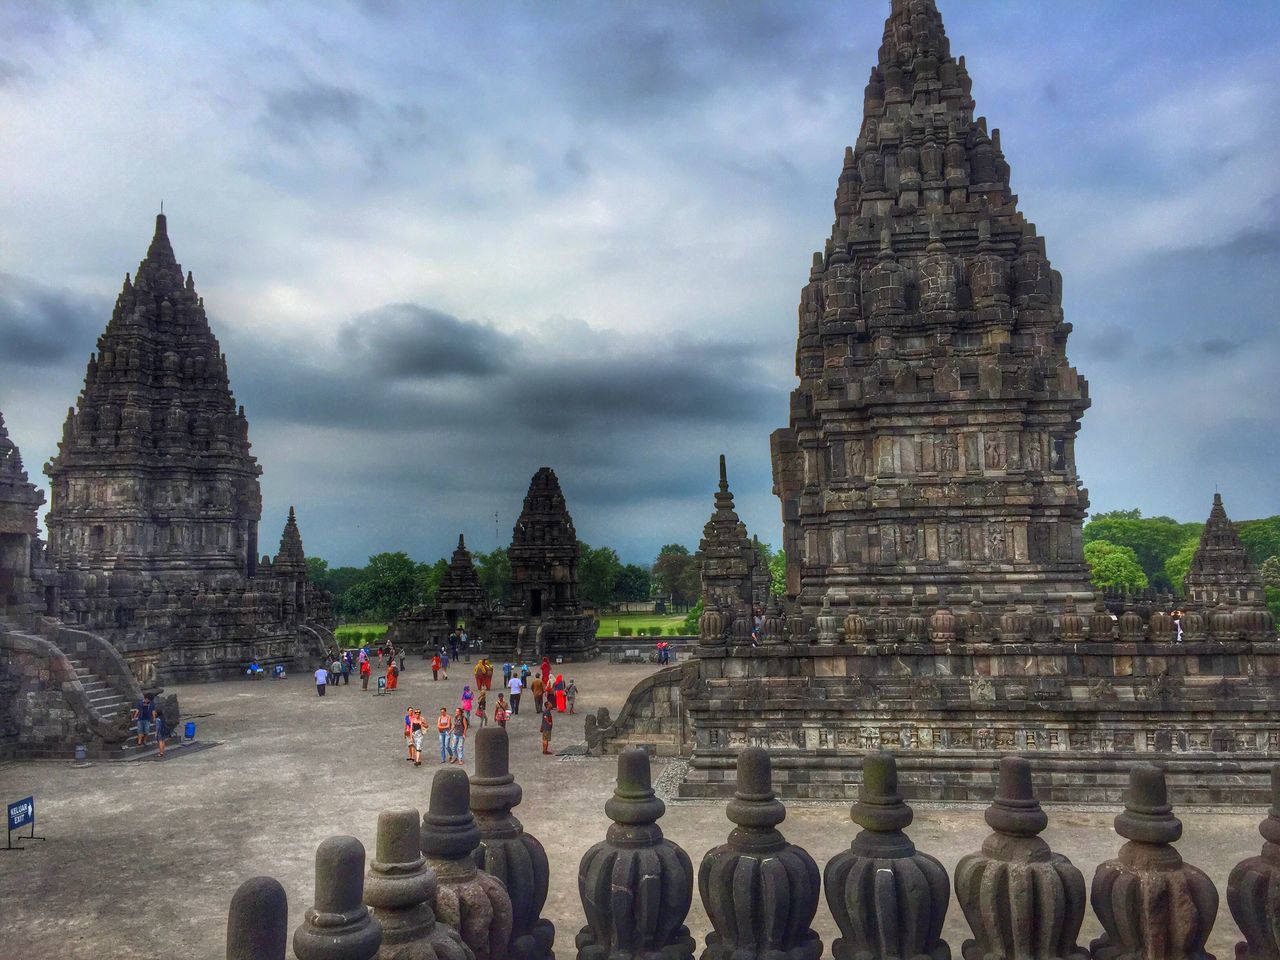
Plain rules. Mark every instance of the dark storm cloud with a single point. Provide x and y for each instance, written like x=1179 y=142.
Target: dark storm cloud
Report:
x=405 y=340
x=43 y=326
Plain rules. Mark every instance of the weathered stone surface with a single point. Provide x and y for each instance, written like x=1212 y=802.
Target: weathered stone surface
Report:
x=1253 y=889
x=1150 y=903
x=544 y=616
x=636 y=886
x=258 y=921
x=153 y=520
x=1221 y=570
x=401 y=889
x=460 y=599
x=760 y=892
x=506 y=851
x=888 y=899
x=1022 y=901
x=473 y=902
x=729 y=561
x=338 y=926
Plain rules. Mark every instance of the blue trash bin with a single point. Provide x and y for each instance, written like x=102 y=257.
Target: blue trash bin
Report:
x=189 y=732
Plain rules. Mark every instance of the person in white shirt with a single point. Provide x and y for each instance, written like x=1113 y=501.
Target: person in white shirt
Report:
x=515 y=685
x=322 y=680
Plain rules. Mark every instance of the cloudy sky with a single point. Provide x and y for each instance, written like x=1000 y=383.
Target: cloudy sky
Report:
x=445 y=244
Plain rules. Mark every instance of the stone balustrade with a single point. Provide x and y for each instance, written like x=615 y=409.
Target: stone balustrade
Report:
x=1021 y=900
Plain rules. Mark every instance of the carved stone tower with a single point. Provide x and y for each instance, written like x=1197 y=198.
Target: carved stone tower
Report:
x=461 y=596
x=21 y=552
x=1221 y=571
x=932 y=435
x=154 y=458
x=153 y=519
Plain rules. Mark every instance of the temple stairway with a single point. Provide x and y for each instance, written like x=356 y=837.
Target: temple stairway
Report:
x=105 y=701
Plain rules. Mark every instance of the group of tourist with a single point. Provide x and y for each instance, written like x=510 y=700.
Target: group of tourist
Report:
x=342 y=664
x=549 y=697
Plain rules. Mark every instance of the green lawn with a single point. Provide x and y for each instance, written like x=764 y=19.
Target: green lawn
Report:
x=609 y=623
x=353 y=634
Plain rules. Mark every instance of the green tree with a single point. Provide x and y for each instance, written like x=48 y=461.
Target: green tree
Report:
x=318 y=572
x=633 y=584
x=428 y=577
x=775 y=562
x=1112 y=565
x=1153 y=539
x=598 y=572
x=677 y=573
x=691 y=621
x=1260 y=537
x=388 y=586
x=494 y=572
x=1176 y=567
x=1271 y=572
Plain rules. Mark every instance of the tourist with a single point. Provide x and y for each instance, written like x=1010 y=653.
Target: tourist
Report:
x=393 y=675
x=546 y=728
x=162 y=731
x=500 y=713
x=435 y=667
x=335 y=672
x=506 y=675
x=402 y=661
x=467 y=698
x=277 y=672
x=254 y=672
x=346 y=668
x=365 y=671
x=465 y=643
x=461 y=723
x=481 y=699
x=515 y=685
x=379 y=658
x=416 y=736
x=1177 y=626
x=546 y=673
x=571 y=694
x=483 y=673
x=557 y=690
x=538 y=688
x=444 y=664
x=322 y=679
x=408 y=731
x=142 y=713
x=453 y=644
x=524 y=674
x=444 y=726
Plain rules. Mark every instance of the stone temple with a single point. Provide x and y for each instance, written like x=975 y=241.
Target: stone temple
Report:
x=153 y=520
x=938 y=602
x=542 y=615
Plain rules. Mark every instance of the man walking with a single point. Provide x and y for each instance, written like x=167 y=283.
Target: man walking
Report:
x=515 y=685
x=322 y=679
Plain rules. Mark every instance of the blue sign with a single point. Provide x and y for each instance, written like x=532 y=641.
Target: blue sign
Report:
x=22 y=813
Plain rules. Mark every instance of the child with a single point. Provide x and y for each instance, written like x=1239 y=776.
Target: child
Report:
x=480 y=708
x=467 y=698
x=162 y=731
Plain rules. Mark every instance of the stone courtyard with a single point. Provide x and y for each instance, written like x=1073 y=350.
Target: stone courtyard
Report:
x=142 y=857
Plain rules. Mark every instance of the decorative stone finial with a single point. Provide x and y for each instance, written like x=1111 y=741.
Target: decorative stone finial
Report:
x=472 y=902
x=1151 y=903
x=338 y=927
x=1017 y=875
x=506 y=851
x=1253 y=890
x=401 y=888
x=888 y=899
x=258 y=922
x=760 y=892
x=636 y=885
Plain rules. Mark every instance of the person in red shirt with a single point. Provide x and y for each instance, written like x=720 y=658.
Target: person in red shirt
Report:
x=365 y=671
x=546 y=673
x=435 y=667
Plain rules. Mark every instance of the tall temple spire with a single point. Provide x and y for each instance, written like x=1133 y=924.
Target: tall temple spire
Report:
x=1221 y=569
x=728 y=554
x=291 y=553
x=932 y=431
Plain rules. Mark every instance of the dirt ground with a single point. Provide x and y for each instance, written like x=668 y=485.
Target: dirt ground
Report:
x=142 y=857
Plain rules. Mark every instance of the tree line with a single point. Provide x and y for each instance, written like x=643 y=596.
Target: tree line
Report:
x=392 y=582
x=1124 y=549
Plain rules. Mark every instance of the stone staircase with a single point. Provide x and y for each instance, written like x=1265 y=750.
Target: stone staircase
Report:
x=106 y=702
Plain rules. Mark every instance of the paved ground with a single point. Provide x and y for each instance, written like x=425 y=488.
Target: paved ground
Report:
x=142 y=857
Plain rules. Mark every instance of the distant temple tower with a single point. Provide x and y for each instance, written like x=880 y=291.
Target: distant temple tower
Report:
x=730 y=562
x=21 y=552
x=461 y=600
x=543 y=615
x=1221 y=570
x=155 y=495
x=461 y=597
x=932 y=437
